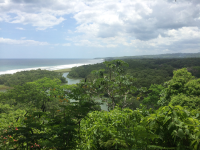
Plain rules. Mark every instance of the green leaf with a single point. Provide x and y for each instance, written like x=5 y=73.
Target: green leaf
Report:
x=180 y=133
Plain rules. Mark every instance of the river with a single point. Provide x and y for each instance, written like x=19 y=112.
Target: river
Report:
x=74 y=81
x=3 y=90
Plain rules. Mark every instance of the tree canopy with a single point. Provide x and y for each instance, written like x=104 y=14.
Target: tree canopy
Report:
x=46 y=115
x=22 y=77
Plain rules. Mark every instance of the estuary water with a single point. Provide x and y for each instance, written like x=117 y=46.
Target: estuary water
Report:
x=70 y=81
x=74 y=81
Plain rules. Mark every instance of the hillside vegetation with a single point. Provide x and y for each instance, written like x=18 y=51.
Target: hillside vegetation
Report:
x=159 y=56
x=22 y=77
x=146 y=71
x=41 y=114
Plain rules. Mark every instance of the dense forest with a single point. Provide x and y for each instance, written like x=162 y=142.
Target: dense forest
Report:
x=160 y=56
x=146 y=71
x=46 y=115
x=22 y=77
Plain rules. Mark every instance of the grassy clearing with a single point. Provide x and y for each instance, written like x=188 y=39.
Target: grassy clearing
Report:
x=63 y=70
x=4 y=87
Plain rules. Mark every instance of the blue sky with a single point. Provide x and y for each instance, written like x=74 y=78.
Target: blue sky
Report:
x=98 y=28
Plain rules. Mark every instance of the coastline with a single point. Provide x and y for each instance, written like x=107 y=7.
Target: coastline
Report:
x=12 y=66
x=58 y=68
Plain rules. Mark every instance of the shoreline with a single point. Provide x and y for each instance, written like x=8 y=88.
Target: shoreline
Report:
x=57 y=68
x=65 y=69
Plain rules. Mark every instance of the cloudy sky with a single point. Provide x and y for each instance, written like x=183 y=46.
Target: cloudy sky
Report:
x=98 y=28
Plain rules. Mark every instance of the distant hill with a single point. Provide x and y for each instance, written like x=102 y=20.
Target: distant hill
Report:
x=174 y=55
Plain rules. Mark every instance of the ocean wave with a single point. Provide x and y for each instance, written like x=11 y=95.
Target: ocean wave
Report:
x=51 y=68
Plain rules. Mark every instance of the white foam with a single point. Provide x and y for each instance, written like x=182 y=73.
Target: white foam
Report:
x=47 y=68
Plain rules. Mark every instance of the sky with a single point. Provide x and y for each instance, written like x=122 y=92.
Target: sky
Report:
x=98 y=28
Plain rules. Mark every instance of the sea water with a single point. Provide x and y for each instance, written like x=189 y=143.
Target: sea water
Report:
x=10 y=66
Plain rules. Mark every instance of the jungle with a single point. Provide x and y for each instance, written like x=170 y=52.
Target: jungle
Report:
x=152 y=104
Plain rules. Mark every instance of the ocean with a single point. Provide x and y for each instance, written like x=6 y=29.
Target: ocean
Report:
x=10 y=66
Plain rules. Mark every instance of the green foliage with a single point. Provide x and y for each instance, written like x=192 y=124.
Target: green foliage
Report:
x=176 y=127
x=147 y=71
x=9 y=116
x=117 y=129
x=182 y=83
x=84 y=71
x=193 y=87
x=117 y=87
x=3 y=87
x=192 y=102
x=45 y=115
x=160 y=56
x=195 y=70
x=22 y=77
x=51 y=120
x=153 y=95
x=170 y=127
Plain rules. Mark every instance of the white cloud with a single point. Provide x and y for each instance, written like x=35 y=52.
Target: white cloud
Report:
x=21 y=42
x=90 y=42
x=41 y=14
x=185 y=39
x=87 y=43
x=172 y=36
x=41 y=21
x=66 y=44
x=126 y=15
x=111 y=45
x=139 y=24
x=20 y=28
x=69 y=31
